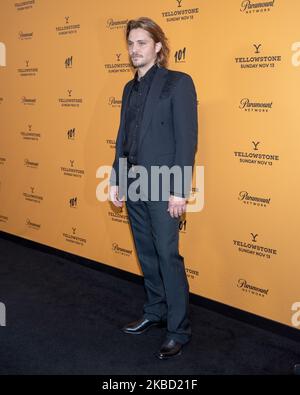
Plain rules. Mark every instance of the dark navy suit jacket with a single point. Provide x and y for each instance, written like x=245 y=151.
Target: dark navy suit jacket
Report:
x=169 y=129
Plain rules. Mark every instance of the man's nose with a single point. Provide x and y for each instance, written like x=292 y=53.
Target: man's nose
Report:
x=134 y=48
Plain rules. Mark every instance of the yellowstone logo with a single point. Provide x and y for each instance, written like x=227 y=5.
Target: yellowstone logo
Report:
x=73 y=238
x=256 y=158
x=70 y=101
x=30 y=135
x=72 y=171
x=24 y=5
x=180 y=14
x=257 y=47
x=261 y=61
x=32 y=196
x=111 y=143
x=118 y=66
x=118 y=216
x=67 y=28
x=192 y=274
x=27 y=71
x=254 y=249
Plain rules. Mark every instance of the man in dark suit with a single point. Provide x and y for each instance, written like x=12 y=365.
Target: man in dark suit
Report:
x=158 y=127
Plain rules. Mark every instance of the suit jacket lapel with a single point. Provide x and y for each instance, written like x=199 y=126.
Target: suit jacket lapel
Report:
x=125 y=104
x=152 y=99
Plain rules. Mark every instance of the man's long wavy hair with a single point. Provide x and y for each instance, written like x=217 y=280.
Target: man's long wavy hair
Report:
x=156 y=34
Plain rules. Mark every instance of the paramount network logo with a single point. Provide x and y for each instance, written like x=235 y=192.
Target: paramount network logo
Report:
x=248 y=198
x=252 y=289
x=116 y=24
x=247 y=105
x=120 y=250
x=248 y=6
x=25 y=36
x=113 y=102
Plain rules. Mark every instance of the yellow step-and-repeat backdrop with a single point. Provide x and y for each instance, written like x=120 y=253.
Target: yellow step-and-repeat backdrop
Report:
x=63 y=65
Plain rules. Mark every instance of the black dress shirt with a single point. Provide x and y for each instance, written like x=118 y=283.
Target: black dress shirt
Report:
x=134 y=113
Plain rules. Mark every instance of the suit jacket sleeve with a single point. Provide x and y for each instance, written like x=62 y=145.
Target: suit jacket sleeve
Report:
x=185 y=126
x=114 y=177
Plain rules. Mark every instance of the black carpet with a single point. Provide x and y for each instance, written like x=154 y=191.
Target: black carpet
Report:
x=64 y=318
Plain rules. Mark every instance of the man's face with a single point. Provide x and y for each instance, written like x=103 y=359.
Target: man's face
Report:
x=142 y=48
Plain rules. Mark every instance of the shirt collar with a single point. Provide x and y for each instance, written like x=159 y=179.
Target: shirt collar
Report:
x=148 y=76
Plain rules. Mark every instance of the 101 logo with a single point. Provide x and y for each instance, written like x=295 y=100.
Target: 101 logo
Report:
x=180 y=55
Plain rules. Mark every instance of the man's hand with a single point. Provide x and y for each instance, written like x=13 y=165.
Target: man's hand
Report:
x=177 y=206
x=114 y=196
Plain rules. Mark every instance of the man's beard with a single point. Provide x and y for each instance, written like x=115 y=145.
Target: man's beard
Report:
x=138 y=62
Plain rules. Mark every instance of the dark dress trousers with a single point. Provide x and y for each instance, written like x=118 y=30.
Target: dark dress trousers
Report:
x=158 y=127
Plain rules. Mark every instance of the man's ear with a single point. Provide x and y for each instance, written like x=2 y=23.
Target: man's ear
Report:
x=158 y=47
